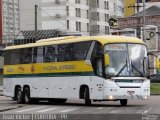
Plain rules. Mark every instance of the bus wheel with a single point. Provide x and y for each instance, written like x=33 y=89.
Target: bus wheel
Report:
x=86 y=96
x=19 y=96
x=123 y=102
x=27 y=98
x=13 y=98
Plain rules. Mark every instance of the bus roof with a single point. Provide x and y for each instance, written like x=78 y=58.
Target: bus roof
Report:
x=72 y=39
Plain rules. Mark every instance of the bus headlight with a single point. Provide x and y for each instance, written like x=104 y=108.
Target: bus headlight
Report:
x=145 y=97
x=111 y=97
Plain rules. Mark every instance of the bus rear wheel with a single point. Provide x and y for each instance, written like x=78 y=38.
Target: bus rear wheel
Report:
x=19 y=96
x=27 y=98
x=123 y=102
x=86 y=96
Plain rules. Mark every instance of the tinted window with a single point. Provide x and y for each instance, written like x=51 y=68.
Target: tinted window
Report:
x=50 y=53
x=73 y=51
x=12 y=57
x=26 y=55
x=81 y=50
x=40 y=54
x=64 y=52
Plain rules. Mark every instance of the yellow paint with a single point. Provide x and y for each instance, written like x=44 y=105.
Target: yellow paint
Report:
x=52 y=67
x=157 y=63
x=128 y=11
x=102 y=39
x=106 y=59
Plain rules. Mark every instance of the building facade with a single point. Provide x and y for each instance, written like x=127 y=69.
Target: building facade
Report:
x=10 y=21
x=0 y=21
x=71 y=17
x=84 y=17
x=27 y=14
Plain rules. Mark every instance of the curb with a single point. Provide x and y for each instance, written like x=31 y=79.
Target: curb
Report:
x=3 y=110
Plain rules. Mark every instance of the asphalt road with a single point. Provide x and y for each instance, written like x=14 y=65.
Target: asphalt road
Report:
x=77 y=107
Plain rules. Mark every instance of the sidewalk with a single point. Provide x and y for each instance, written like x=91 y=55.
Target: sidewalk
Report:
x=6 y=103
x=1 y=90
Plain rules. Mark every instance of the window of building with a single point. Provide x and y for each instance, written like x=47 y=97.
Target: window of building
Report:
x=87 y=2
x=67 y=10
x=97 y=3
x=97 y=16
x=67 y=24
x=106 y=30
x=107 y=5
x=114 y=6
x=78 y=12
x=106 y=17
x=78 y=1
x=88 y=27
x=98 y=29
x=87 y=14
x=78 y=26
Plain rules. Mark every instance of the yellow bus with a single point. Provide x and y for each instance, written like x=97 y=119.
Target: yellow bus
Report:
x=93 y=68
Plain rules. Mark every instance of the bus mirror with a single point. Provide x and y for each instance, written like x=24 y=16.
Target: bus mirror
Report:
x=157 y=63
x=106 y=59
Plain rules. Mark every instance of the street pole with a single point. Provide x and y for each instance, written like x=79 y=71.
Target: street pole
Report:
x=144 y=20
x=138 y=20
x=36 y=6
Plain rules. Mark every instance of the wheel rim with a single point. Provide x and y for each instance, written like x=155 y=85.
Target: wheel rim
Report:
x=26 y=98
x=19 y=95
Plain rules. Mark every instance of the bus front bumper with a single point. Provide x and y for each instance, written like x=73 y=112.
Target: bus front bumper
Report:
x=126 y=93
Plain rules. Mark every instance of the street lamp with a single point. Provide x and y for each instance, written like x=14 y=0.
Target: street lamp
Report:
x=144 y=20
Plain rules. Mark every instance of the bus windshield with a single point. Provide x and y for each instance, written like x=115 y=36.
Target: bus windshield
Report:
x=126 y=60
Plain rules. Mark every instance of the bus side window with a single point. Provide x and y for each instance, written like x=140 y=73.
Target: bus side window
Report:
x=34 y=55
x=62 y=52
x=50 y=53
x=26 y=55
x=81 y=50
x=39 y=58
x=12 y=57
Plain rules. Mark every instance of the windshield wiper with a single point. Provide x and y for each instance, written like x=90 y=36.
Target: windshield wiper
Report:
x=122 y=69
x=142 y=75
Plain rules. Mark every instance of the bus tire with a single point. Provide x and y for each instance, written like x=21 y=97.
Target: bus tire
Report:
x=27 y=97
x=123 y=102
x=13 y=98
x=19 y=96
x=86 y=96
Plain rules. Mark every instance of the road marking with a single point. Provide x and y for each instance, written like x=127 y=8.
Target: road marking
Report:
x=144 y=110
x=68 y=110
x=30 y=109
x=100 y=108
x=46 y=110
x=147 y=110
x=115 y=111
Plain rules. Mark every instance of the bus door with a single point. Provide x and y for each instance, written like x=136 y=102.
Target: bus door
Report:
x=97 y=64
